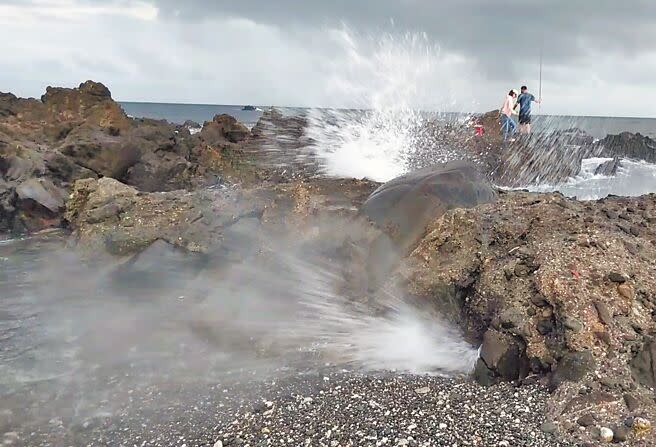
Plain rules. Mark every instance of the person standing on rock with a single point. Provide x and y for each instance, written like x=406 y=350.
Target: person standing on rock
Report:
x=525 y=99
x=508 y=125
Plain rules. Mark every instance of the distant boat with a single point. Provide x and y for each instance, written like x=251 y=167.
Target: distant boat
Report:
x=249 y=108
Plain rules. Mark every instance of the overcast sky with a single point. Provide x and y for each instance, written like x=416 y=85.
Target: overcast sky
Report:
x=599 y=56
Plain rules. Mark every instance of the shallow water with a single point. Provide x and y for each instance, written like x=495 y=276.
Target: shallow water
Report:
x=80 y=340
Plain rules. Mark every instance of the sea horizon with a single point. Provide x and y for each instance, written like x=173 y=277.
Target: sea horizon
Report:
x=264 y=106
x=596 y=126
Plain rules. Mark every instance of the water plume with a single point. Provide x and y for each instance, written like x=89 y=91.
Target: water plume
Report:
x=397 y=84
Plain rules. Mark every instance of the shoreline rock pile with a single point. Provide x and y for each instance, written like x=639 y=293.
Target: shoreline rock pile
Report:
x=556 y=290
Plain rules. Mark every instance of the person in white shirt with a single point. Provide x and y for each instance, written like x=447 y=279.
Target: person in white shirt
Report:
x=508 y=125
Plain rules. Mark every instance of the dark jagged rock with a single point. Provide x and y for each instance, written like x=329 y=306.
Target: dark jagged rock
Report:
x=550 y=157
x=644 y=364
x=608 y=168
x=503 y=357
x=107 y=216
x=541 y=158
x=572 y=367
x=190 y=124
x=222 y=128
x=627 y=145
x=404 y=206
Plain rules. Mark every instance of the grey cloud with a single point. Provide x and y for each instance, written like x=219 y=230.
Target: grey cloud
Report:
x=490 y=32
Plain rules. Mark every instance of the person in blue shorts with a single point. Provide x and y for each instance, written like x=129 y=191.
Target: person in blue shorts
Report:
x=525 y=99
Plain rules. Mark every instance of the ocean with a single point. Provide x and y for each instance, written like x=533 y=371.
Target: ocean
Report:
x=373 y=144
x=597 y=126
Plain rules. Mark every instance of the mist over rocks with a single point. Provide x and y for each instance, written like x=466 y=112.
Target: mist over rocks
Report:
x=108 y=216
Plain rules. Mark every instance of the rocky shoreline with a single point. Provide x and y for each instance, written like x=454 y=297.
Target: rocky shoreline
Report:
x=561 y=294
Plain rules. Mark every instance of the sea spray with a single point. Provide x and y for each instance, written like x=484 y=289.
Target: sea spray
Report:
x=397 y=84
x=633 y=178
x=389 y=332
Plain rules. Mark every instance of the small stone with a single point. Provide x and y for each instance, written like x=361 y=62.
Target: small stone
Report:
x=548 y=427
x=616 y=277
x=504 y=443
x=624 y=228
x=625 y=290
x=634 y=231
x=218 y=444
x=539 y=301
x=611 y=214
x=572 y=324
x=587 y=420
x=632 y=403
x=620 y=433
x=545 y=326
x=508 y=272
x=423 y=390
x=511 y=318
x=641 y=425
x=569 y=427
x=584 y=242
x=605 y=337
x=629 y=421
x=522 y=270
x=606 y=434
x=604 y=312
x=632 y=249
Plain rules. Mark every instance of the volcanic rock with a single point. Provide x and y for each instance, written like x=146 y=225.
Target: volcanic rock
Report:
x=608 y=168
x=403 y=207
x=78 y=133
x=627 y=145
x=460 y=265
x=223 y=127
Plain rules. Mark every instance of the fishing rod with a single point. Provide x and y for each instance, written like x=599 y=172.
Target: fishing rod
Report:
x=540 y=84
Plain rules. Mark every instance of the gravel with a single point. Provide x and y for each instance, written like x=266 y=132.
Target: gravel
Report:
x=343 y=409
x=316 y=408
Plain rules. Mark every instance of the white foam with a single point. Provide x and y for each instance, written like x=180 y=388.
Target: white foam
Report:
x=633 y=178
x=390 y=77
x=404 y=337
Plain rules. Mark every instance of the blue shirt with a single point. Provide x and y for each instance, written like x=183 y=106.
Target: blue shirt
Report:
x=524 y=101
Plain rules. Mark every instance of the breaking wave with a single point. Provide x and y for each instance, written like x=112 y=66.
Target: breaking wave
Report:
x=392 y=81
x=633 y=178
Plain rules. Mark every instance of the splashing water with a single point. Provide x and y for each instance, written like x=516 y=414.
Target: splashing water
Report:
x=390 y=80
x=402 y=336
x=633 y=178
